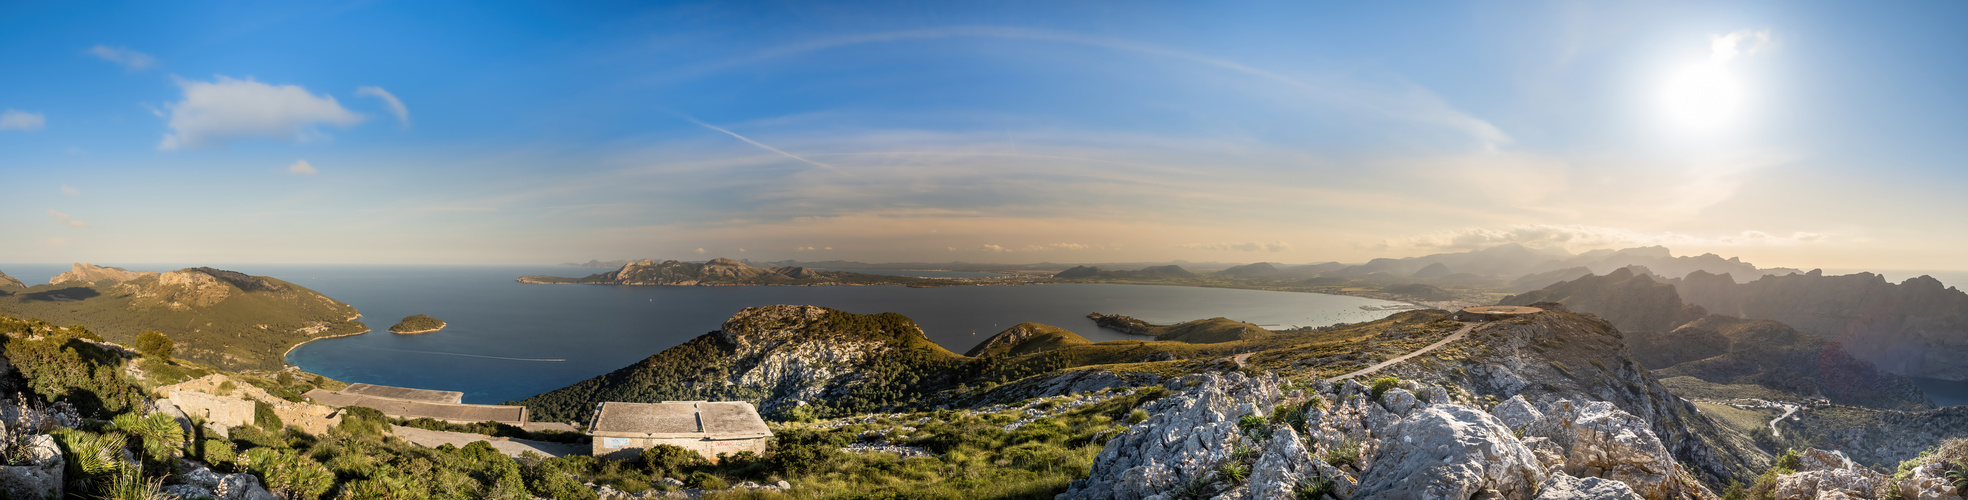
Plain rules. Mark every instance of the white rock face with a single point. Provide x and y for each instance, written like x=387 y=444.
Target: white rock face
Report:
x=1516 y=413
x=42 y=477
x=1601 y=441
x=1564 y=487
x=1451 y=451
x=1190 y=434
x=1928 y=482
x=1828 y=474
x=1285 y=465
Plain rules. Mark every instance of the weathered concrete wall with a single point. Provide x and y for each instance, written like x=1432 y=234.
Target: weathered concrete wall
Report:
x=227 y=412
x=628 y=448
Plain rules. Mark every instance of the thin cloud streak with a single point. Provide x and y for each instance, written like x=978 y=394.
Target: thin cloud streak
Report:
x=1415 y=104
x=760 y=145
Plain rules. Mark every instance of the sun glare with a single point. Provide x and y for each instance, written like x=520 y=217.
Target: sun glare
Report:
x=1702 y=97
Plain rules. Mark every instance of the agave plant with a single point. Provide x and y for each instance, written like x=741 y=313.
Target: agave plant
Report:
x=1958 y=477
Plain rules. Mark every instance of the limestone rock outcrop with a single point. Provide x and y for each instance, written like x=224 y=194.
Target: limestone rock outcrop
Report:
x=1451 y=451
x=1828 y=474
x=41 y=476
x=1601 y=441
x=1564 y=487
x=83 y=273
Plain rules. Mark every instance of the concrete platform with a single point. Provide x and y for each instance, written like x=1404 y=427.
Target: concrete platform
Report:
x=403 y=408
x=421 y=395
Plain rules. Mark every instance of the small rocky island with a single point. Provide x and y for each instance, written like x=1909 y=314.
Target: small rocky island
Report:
x=417 y=324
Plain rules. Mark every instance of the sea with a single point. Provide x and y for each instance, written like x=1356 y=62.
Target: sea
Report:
x=507 y=340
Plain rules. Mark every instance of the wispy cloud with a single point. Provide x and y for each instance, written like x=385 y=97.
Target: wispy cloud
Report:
x=65 y=219
x=213 y=113
x=22 y=120
x=129 y=59
x=1248 y=246
x=1406 y=103
x=301 y=167
x=70 y=191
x=395 y=105
x=1725 y=48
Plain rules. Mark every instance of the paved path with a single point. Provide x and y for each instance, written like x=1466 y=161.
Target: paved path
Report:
x=1458 y=335
x=511 y=447
x=1788 y=409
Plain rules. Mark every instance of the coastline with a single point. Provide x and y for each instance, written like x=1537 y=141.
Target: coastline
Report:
x=439 y=327
x=290 y=350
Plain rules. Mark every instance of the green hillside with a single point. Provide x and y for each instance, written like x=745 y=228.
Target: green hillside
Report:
x=222 y=318
x=902 y=367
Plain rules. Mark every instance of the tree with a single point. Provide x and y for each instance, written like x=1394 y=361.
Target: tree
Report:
x=154 y=343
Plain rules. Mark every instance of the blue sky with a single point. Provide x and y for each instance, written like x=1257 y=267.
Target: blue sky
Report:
x=1789 y=133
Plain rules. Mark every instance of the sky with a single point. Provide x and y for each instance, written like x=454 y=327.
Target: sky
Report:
x=1801 y=134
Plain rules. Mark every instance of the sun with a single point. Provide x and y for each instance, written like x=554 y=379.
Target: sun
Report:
x=1702 y=97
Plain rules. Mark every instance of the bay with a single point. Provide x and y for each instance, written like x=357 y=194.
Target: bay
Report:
x=507 y=340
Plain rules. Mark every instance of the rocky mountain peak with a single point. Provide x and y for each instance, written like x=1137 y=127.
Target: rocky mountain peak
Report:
x=84 y=273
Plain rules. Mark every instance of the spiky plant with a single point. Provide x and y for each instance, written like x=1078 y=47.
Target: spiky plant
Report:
x=157 y=433
x=91 y=457
x=130 y=485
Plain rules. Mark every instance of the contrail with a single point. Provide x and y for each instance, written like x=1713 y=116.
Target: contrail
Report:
x=461 y=354
x=749 y=140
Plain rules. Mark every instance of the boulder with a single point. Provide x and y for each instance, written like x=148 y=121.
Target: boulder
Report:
x=1284 y=464
x=41 y=477
x=1516 y=413
x=1601 y=441
x=1928 y=482
x=1450 y=452
x=1399 y=401
x=1565 y=487
x=1828 y=474
x=1190 y=434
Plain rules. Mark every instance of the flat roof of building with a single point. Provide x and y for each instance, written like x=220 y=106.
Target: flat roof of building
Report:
x=1502 y=310
x=424 y=395
x=679 y=419
x=404 y=408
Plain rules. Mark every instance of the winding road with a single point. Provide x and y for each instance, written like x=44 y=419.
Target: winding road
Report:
x=1788 y=409
x=1458 y=335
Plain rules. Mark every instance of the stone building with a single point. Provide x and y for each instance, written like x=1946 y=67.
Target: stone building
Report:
x=623 y=430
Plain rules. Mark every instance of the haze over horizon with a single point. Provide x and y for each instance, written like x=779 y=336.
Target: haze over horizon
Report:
x=1790 y=134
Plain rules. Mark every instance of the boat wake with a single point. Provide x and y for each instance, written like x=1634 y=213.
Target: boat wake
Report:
x=462 y=354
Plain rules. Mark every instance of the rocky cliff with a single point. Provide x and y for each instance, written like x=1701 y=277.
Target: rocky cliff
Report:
x=1917 y=327
x=83 y=273
x=9 y=283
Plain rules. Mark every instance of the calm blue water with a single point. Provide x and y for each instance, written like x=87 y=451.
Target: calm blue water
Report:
x=507 y=340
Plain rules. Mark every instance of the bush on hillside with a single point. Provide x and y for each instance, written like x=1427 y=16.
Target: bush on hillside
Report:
x=153 y=343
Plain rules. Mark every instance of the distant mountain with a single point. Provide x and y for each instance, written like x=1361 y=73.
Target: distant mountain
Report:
x=1146 y=273
x=1676 y=339
x=719 y=271
x=223 y=318
x=1917 y=327
x=1502 y=260
x=1662 y=262
x=9 y=283
x=600 y=264
x=1266 y=270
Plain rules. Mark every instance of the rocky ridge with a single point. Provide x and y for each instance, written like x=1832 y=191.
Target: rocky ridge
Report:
x=83 y=273
x=1417 y=441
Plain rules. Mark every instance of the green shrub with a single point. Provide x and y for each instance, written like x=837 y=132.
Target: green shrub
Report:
x=364 y=422
x=158 y=435
x=1252 y=426
x=1313 y=488
x=705 y=481
x=669 y=461
x=153 y=343
x=1346 y=452
x=1232 y=472
x=217 y=452
x=288 y=471
x=265 y=418
x=1382 y=385
x=1137 y=416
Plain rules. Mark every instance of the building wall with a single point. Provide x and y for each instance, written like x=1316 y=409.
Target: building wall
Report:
x=628 y=448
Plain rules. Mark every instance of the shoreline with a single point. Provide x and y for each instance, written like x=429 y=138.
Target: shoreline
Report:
x=439 y=327
x=1407 y=304
x=290 y=350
